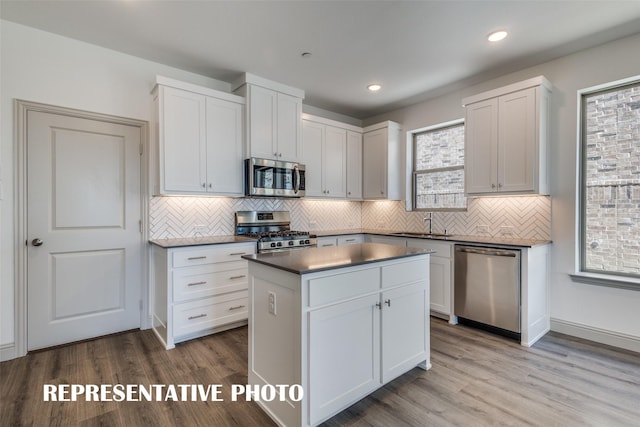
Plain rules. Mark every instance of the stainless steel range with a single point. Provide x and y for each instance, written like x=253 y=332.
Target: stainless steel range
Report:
x=273 y=231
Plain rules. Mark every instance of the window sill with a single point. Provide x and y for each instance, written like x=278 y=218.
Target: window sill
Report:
x=607 y=280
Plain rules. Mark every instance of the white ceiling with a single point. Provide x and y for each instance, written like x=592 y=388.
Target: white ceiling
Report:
x=415 y=49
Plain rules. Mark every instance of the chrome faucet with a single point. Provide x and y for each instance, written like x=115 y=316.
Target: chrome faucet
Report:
x=430 y=219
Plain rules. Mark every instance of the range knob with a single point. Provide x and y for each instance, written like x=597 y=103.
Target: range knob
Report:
x=273 y=245
x=279 y=244
x=306 y=242
x=291 y=242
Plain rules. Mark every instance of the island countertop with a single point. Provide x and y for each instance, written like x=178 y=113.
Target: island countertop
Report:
x=328 y=258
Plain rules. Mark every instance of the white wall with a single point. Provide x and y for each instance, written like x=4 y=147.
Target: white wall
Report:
x=588 y=306
x=41 y=67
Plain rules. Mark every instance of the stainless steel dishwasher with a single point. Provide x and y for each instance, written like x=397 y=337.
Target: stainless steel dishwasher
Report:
x=487 y=287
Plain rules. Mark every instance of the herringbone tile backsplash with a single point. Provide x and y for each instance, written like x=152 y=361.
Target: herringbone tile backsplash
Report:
x=519 y=217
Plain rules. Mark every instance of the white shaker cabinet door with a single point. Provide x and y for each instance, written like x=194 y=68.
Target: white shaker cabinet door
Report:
x=344 y=356
x=183 y=136
x=224 y=147
x=405 y=322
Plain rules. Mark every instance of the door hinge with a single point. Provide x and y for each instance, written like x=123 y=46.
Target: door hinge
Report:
x=141 y=148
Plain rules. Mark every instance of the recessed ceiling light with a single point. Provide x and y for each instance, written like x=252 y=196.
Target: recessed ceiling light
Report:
x=496 y=36
x=374 y=87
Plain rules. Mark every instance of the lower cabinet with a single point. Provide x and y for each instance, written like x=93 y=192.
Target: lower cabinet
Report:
x=349 y=239
x=199 y=290
x=340 y=334
x=441 y=276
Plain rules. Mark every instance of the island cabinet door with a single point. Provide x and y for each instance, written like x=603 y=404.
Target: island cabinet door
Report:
x=405 y=329
x=344 y=355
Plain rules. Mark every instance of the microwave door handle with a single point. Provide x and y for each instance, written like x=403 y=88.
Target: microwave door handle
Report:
x=296 y=180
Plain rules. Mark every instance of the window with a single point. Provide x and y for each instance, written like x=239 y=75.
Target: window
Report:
x=610 y=180
x=438 y=168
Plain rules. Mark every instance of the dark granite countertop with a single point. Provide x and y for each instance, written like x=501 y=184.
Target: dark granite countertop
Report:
x=203 y=240
x=319 y=259
x=454 y=238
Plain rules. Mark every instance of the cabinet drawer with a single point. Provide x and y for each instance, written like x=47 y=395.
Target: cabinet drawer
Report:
x=199 y=282
x=405 y=272
x=211 y=254
x=342 y=286
x=443 y=250
x=351 y=239
x=195 y=316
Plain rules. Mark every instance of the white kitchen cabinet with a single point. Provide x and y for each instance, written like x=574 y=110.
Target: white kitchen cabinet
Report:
x=441 y=275
x=506 y=140
x=382 y=174
x=389 y=240
x=350 y=239
x=273 y=118
x=199 y=140
x=339 y=333
x=324 y=156
x=354 y=165
x=199 y=290
x=326 y=241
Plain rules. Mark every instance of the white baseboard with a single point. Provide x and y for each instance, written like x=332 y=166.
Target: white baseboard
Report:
x=627 y=342
x=7 y=352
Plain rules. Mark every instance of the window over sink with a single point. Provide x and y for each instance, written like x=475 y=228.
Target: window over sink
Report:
x=437 y=174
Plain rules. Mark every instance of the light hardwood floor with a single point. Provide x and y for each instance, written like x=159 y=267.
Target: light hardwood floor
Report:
x=477 y=379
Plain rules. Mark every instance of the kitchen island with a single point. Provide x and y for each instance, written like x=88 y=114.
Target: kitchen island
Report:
x=338 y=321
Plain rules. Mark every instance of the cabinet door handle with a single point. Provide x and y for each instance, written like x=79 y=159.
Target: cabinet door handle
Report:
x=493 y=186
x=350 y=240
x=379 y=306
x=204 y=185
x=238 y=277
x=499 y=185
x=388 y=302
x=198 y=316
x=210 y=185
x=237 y=307
x=197 y=283
x=191 y=258
x=237 y=253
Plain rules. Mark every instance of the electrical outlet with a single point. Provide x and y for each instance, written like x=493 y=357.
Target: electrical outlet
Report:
x=506 y=230
x=482 y=229
x=272 y=303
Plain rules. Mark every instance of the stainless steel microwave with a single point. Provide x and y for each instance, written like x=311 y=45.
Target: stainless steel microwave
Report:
x=264 y=177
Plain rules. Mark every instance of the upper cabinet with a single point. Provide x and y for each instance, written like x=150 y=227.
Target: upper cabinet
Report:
x=327 y=159
x=382 y=175
x=273 y=118
x=506 y=139
x=354 y=165
x=199 y=140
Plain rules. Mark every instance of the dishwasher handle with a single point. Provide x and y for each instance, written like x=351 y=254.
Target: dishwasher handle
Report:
x=487 y=251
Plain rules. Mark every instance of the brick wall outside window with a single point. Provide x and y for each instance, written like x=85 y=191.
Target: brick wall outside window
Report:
x=612 y=181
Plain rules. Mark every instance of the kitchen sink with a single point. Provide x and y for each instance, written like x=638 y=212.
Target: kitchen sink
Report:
x=422 y=235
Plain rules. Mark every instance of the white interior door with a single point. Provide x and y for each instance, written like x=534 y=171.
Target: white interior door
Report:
x=84 y=239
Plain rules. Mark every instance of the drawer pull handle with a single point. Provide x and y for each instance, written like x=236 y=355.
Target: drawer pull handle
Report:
x=388 y=302
x=197 y=283
x=237 y=253
x=191 y=258
x=238 y=277
x=350 y=240
x=198 y=316
x=237 y=307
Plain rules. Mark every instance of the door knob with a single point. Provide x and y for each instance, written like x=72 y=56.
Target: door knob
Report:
x=37 y=242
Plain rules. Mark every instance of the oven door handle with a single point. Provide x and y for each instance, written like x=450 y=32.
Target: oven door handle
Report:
x=296 y=179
